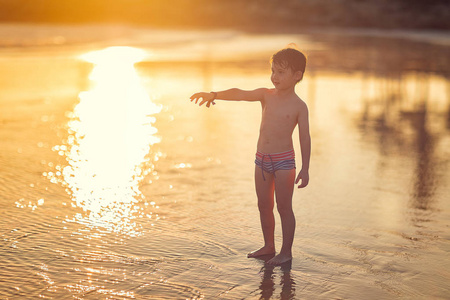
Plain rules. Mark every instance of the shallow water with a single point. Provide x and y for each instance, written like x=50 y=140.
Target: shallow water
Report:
x=153 y=197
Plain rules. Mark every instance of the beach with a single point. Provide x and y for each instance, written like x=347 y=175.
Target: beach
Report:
x=113 y=185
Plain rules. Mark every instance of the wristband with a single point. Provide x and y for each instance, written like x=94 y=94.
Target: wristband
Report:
x=214 y=96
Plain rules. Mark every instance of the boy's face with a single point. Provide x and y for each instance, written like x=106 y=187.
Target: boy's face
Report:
x=283 y=77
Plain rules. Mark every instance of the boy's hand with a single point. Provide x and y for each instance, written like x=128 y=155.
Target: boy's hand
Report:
x=304 y=176
x=206 y=97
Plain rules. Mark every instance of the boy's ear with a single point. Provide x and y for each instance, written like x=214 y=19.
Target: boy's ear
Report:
x=298 y=75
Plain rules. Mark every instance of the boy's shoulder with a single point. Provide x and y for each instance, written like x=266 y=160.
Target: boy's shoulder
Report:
x=294 y=99
x=261 y=93
x=301 y=103
x=267 y=90
x=298 y=102
x=300 y=106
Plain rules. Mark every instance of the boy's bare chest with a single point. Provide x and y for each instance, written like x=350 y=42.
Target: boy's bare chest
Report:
x=274 y=112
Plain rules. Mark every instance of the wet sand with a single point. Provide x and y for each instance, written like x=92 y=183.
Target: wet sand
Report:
x=85 y=216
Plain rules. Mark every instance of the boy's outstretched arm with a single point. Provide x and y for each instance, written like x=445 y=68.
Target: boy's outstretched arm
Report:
x=305 y=146
x=230 y=95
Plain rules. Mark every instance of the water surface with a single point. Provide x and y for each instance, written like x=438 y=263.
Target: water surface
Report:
x=114 y=186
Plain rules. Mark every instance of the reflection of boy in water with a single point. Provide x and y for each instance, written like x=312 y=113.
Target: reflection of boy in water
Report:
x=282 y=111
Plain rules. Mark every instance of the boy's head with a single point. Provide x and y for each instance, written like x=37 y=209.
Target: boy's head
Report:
x=290 y=58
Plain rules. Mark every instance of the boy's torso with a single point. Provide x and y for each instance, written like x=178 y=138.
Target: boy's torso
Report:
x=279 y=118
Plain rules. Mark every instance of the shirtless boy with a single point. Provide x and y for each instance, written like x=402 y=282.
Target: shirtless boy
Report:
x=282 y=111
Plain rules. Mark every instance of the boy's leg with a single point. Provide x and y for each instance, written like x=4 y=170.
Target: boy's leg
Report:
x=284 y=189
x=265 y=193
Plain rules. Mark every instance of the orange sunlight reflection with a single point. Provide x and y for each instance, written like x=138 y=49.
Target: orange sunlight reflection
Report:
x=108 y=146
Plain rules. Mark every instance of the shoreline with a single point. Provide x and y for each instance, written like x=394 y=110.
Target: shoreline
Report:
x=35 y=35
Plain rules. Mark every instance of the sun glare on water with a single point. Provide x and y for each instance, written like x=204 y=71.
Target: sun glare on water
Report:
x=110 y=135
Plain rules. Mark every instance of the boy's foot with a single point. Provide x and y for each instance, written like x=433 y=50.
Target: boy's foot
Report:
x=279 y=259
x=261 y=252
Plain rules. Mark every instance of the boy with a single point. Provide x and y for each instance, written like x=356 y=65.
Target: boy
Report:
x=282 y=111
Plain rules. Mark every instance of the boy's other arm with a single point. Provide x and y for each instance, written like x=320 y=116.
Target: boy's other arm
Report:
x=305 y=146
x=233 y=94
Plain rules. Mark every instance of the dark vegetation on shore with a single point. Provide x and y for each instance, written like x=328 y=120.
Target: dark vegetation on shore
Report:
x=254 y=15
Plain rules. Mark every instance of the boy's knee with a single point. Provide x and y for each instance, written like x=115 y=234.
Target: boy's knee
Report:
x=265 y=207
x=284 y=209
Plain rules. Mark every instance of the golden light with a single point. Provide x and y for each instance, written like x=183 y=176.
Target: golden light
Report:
x=108 y=147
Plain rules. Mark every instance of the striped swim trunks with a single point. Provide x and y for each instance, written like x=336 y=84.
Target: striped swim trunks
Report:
x=275 y=161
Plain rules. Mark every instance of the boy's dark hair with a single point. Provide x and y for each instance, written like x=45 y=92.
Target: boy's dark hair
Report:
x=290 y=58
